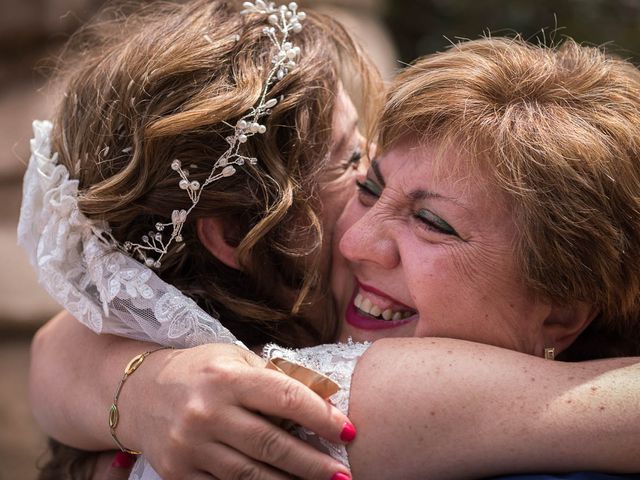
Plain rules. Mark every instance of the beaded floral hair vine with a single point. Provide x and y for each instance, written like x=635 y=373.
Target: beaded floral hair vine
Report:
x=284 y=21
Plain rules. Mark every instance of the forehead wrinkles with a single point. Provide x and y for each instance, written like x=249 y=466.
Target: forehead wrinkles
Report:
x=470 y=175
x=416 y=173
x=449 y=165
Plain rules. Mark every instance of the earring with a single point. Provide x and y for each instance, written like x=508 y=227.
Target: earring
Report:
x=549 y=353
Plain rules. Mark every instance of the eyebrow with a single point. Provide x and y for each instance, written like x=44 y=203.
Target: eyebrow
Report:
x=426 y=194
x=416 y=195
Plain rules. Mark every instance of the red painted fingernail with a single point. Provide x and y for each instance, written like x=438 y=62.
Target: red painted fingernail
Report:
x=348 y=432
x=123 y=460
x=341 y=476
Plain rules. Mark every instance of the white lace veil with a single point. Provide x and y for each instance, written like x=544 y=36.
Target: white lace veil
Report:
x=102 y=287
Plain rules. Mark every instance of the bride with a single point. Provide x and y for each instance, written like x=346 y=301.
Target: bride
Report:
x=395 y=377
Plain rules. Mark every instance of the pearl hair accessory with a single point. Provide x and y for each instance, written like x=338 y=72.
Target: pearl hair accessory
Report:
x=284 y=21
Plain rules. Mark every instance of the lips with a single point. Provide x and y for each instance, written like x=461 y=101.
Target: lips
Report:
x=371 y=309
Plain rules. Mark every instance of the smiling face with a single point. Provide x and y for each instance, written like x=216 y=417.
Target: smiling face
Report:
x=431 y=250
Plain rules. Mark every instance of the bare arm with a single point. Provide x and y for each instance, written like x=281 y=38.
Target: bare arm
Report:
x=69 y=386
x=433 y=408
x=188 y=410
x=440 y=408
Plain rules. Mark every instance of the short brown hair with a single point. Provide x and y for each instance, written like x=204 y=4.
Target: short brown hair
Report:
x=165 y=82
x=558 y=129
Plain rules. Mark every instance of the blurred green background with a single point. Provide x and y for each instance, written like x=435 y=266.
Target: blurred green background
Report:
x=418 y=26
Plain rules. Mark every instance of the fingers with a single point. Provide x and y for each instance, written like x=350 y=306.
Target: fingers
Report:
x=254 y=360
x=275 y=394
x=226 y=463
x=217 y=434
x=268 y=443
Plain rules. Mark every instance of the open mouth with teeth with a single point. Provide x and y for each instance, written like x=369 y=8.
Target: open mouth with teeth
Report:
x=367 y=307
x=371 y=309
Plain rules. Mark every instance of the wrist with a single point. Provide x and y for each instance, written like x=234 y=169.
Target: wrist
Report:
x=129 y=410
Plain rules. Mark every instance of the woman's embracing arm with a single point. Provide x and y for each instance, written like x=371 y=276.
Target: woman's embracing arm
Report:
x=424 y=408
x=189 y=411
x=72 y=377
x=441 y=408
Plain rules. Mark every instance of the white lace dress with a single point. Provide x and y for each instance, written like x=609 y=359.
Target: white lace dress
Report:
x=336 y=361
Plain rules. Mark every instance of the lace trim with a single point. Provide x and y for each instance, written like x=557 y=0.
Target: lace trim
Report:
x=336 y=361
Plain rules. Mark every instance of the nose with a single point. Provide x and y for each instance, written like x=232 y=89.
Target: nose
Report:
x=370 y=240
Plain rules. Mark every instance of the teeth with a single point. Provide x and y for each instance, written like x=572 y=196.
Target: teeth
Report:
x=358 y=301
x=365 y=306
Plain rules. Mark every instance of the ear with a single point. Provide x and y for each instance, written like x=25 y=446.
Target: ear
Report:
x=565 y=323
x=219 y=237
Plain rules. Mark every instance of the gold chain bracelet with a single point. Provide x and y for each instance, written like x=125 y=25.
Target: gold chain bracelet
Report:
x=114 y=414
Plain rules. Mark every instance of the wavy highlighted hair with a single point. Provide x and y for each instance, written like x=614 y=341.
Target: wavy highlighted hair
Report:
x=164 y=82
x=558 y=131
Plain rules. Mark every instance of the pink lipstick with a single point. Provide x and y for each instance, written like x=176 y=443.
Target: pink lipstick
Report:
x=358 y=318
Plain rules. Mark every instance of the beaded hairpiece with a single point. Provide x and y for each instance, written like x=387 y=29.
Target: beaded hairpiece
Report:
x=284 y=21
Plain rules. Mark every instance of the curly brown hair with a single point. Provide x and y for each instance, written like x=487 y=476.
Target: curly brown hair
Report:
x=148 y=84
x=165 y=82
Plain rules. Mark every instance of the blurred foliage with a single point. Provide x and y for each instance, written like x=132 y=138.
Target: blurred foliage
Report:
x=424 y=26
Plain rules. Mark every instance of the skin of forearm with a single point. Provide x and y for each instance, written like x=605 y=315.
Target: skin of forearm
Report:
x=73 y=376
x=448 y=409
x=440 y=409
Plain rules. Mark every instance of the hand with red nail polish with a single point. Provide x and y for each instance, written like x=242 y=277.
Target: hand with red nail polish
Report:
x=225 y=395
x=341 y=476
x=224 y=389
x=348 y=433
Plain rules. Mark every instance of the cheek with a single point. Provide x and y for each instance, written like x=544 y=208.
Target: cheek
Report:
x=432 y=281
x=346 y=221
x=341 y=275
x=464 y=297
x=334 y=197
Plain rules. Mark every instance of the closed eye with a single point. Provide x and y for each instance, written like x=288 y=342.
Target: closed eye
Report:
x=368 y=191
x=431 y=221
x=354 y=160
